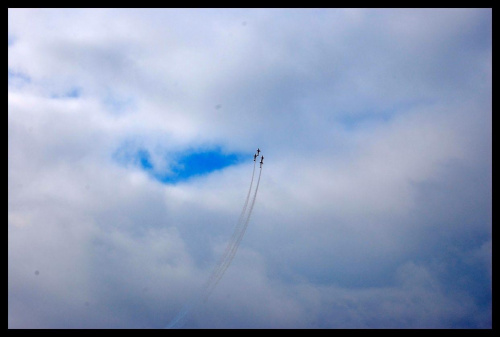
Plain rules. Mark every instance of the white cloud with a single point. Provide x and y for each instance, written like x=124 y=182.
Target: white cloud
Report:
x=375 y=125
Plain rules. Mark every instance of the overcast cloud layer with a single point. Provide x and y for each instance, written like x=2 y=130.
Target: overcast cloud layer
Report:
x=374 y=207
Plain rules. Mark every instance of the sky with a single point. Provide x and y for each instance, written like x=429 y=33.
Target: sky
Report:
x=131 y=135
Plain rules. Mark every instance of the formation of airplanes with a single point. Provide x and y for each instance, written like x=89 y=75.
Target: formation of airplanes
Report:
x=261 y=159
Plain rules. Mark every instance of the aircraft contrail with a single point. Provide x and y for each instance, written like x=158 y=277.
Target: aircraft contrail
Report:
x=228 y=255
x=177 y=321
x=234 y=237
x=235 y=241
x=234 y=245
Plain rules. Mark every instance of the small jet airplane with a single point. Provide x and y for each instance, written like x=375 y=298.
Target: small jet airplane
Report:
x=254 y=157
x=261 y=161
x=258 y=151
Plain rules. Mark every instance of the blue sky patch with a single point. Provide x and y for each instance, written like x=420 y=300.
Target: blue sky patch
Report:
x=144 y=159
x=183 y=166
x=71 y=93
x=195 y=163
x=352 y=121
x=17 y=79
x=11 y=40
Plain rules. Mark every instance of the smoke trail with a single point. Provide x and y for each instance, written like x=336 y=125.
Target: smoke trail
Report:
x=234 y=237
x=234 y=245
x=179 y=319
x=226 y=258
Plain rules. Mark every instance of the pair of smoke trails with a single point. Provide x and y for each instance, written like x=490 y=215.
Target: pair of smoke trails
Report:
x=226 y=258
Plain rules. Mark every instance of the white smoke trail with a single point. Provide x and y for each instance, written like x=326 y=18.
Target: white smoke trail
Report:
x=234 y=237
x=179 y=320
x=225 y=260
x=234 y=246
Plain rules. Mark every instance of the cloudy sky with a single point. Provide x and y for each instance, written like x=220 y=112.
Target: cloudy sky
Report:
x=131 y=135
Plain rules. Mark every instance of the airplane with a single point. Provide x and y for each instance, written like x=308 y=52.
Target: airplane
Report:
x=258 y=151
x=254 y=156
x=261 y=161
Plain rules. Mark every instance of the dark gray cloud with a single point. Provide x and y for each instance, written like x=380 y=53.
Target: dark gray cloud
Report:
x=374 y=208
